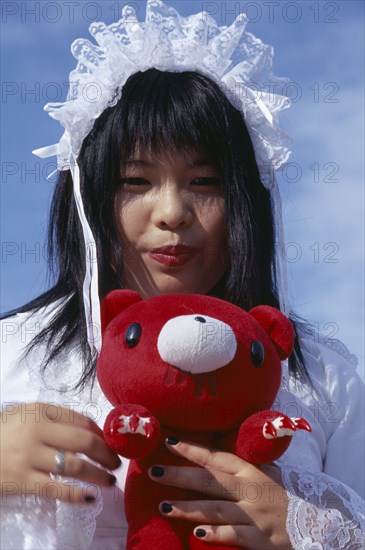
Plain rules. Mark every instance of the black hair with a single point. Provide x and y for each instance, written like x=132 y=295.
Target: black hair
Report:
x=158 y=111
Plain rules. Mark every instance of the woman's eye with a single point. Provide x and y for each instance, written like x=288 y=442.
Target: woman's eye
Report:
x=201 y=182
x=130 y=182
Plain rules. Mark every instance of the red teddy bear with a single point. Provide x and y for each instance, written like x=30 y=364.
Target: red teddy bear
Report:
x=194 y=368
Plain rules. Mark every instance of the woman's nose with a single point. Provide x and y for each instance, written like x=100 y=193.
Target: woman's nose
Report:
x=172 y=208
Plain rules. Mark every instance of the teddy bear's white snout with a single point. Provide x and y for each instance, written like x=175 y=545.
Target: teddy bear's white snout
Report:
x=196 y=343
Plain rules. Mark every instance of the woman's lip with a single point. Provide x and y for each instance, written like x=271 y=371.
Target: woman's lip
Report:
x=172 y=261
x=173 y=250
x=173 y=256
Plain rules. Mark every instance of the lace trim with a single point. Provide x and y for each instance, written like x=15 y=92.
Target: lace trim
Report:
x=237 y=60
x=34 y=523
x=308 y=331
x=323 y=514
x=340 y=348
x=76 y=524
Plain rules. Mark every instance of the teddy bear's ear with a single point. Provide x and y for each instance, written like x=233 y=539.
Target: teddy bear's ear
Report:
x=114 y=303
x=278 y=327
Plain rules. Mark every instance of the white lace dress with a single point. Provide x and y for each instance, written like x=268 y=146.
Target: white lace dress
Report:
x=323 y=474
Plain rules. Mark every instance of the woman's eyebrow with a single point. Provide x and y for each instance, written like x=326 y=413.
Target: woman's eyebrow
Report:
x=202 y=162
x=191 y=163
x=137 y=162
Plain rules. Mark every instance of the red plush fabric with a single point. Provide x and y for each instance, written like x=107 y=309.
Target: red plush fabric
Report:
x=154 y=399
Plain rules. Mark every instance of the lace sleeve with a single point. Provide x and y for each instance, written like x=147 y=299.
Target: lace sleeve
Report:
x=323 y=513
x=323 y=473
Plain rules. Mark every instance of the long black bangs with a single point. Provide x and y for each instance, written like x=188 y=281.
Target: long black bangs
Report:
x=172 y=112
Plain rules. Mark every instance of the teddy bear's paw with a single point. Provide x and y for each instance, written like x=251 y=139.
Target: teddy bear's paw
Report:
x=134 y=424
x=284 y=426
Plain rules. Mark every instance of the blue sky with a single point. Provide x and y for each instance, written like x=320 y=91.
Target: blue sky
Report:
x=318 y=45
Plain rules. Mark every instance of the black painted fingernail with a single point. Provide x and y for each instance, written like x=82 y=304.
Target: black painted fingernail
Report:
x=112 y=480
x=89 y=498
x=166 y=507
x=172 y=441
x=157 y=471
x=200 y=533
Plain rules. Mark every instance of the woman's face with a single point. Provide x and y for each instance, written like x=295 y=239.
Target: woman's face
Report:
x=171 y=219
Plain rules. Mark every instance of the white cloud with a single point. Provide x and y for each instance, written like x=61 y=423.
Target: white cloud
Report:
x=326 y=211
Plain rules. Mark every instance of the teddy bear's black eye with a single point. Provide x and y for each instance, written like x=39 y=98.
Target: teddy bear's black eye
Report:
x=257 y=353
x=133 y=335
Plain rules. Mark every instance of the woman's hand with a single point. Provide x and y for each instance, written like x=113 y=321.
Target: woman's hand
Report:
x=31 y=436
x=248 y=506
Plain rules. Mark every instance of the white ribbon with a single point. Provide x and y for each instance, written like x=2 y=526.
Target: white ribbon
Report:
x=281 y=272
x=90 y=286
x=45 y=152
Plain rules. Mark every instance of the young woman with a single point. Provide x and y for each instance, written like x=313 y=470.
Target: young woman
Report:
x=169 y=167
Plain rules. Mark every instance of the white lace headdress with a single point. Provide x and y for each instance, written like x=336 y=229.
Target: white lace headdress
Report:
x=239 y=62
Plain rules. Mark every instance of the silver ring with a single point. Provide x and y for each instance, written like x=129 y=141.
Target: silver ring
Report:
x=59 y=460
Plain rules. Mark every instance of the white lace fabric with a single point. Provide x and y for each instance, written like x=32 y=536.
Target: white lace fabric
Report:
x=237 y=60
x=75 y=525
x=323 y=514
x=33 y=521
